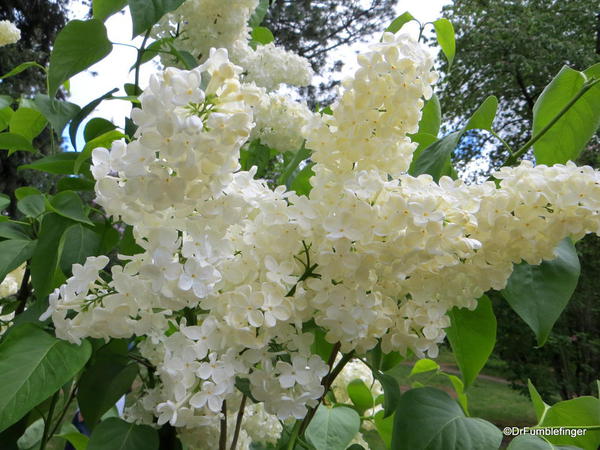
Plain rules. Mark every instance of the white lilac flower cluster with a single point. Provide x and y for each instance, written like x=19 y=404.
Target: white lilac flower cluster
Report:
x=204 y=24
x=232 y=271
x=9 y=33
x=10 y=286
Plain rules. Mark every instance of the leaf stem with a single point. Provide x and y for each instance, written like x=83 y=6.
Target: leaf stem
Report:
x=512 y=159
x=238 y=422
x=65 y=408
x=504 y=143
x=223 y=431
x=48 y=421
x=138 y=62
x=294 y=435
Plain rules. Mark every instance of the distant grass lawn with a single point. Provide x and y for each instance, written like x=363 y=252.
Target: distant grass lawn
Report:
x=494 y=401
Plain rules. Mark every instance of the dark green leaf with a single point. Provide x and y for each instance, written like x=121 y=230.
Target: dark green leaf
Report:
x=435 y=159
x=298 y=157
x=32 y=205
x=27 y=122
x=145 y=13
x=15 y=142
x=385 y=427
x=83 y=113
x=74 y=437
x=391 y=391
x=106 y=379
x=567 y=137
x=61 y=163
x=128 y=246
x=320 y=346
x=529 y=442
x=399 y=22
x=13 y=253
x=539 y=405
x=188 y=60
x=69 y=205
x=538 y=294
x=484 y=116
x=79 y=45
x=103 y=9
x=46 y=256
x=75 y=184
x=20 y=68
x=4 y=201
x=114 y=433
x=472 y=336
x=58 y=112
x=10 y=230
x=332 y=428
x=96 y=127
x=428 y=418
x=25 y=191
x=390 y=360
x=104 y=140
x=258 y=155
x=360 y=394
x=445 y=36
x=80 y=242
x=109 y=237
x=34 y=365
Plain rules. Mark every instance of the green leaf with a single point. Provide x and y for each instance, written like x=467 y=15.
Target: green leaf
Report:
x=258 y=155
x=538 y=294
x=261 y=35
x=96 y=127
x=32 y=205
x=428 y=418
x=484 y=116
x=68 y=204
x=4 y=202
x=385 y=427
x=391 y=389
x=5 y=101
x=20 y=68
x=75 y=438
x=539 y=405
x=577 y=412
x=13 y=253
x=75 y=184
x=128 y=246
x=83 y=113
x=399 y=22
x=529 y=442
x=360 y=394
x=188 y=60
x=25 y=191
x=27 y=122
x=106 y=379
x=332 y=428
x=445 y=36
x=80 y=242
x=104 y=140
x=431 y=118
x=5 y=114
x=459 y=388
x=114 y=433
x=58 y=112
x=34 y=365
x=390 y=360
x=298 y=157
x=145 y=13
x=301 y=184
x=424 y=365
x=259 y=14
x=109 y=237
x=567 y=137
x=79 y=45
x=15 y=142
x=45 y=259
x=103 y=9
x=61 y=163
x=10 y=230
x=435 y=159
x=32 y=436
x=472 y=336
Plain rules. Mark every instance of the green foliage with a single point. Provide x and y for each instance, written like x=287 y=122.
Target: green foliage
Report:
x=435 y=159
x=104 y=140
x=538 y=294
x=427 y=418
x=472 y=336
x=103 y=9
x=107 y=377
x=15 y=142
x=445 y=36
x=96 y=127
x=58 y=112
x=360 y=394
x=82 y=113
x=80 y=242
x=332 y=428
x=61 y=163
x=431 y=118
x=261 y=36
x=484 y=116
x=399 y=22
x=34 y=365
x=78 y=46
x=13 y=253
x=27 y=122
x=20 y=68
x=391 y=391
x=145 y=13
x=566 y=139
x=115 y=433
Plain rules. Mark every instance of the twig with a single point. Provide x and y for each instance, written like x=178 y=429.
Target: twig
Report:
x=223 y=433
x=238 y=422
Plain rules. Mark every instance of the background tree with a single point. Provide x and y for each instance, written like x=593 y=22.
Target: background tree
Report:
x=313 y=28
x=512 y=49
x=39 y=22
